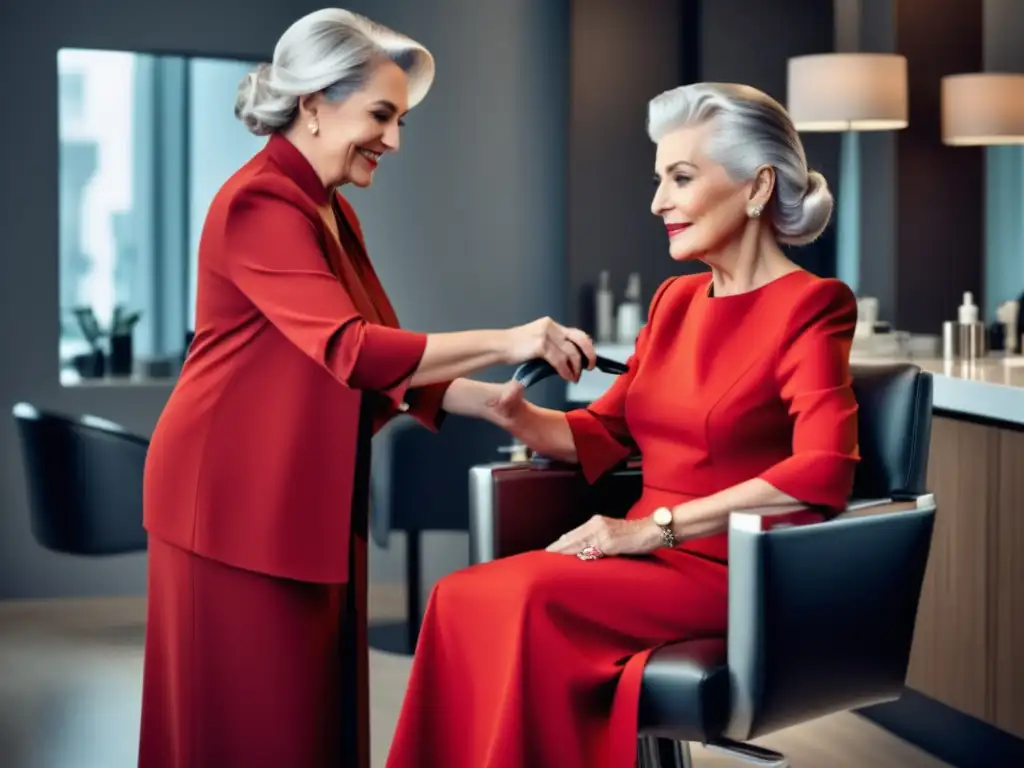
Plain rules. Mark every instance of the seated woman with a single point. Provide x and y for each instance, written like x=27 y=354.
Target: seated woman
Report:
x=738 y=397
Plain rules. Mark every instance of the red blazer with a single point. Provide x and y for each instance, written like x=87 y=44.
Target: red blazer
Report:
x=253 y=462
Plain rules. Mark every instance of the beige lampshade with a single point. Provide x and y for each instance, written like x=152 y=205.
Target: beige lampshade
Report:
x=848 y=92
x=983 y=108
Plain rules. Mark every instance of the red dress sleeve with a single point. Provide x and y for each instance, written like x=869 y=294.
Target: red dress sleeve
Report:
x=599 y=431
x=275 y=258
x=815 y=383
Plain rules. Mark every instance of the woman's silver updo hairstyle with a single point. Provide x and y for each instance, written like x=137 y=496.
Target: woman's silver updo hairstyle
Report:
x=751 y=129
x=331 y=50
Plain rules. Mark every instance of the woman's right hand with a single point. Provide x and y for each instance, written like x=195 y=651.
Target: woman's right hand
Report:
x=546 y=339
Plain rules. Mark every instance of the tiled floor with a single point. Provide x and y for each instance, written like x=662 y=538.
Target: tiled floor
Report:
x=70 y=682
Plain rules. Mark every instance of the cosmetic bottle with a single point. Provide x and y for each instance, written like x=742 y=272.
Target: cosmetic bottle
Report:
x=1007 y=315
x=972 y=334
x=604 y=310
x=630 y=316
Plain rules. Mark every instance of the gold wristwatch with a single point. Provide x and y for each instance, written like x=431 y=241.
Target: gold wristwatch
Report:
x=663 y=519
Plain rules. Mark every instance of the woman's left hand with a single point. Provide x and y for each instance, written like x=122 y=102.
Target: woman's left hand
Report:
x=611 y=536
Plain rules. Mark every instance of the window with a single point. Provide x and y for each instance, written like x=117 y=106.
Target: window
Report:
x=145 y=142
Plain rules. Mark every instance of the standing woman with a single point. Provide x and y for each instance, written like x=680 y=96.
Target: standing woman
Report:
x=257 y=475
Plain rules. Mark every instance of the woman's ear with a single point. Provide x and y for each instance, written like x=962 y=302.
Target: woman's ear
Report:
x=308 y=106
x=763 y=186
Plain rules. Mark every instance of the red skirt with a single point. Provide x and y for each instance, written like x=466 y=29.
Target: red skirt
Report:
x=536 y=660
x=244 y=669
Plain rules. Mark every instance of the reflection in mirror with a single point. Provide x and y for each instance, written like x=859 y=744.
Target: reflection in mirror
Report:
x=145 y=143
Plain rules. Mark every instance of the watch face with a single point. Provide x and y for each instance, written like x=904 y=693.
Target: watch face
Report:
x=663 y=516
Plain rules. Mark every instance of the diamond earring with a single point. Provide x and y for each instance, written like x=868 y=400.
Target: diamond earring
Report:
x=755 y=212
x=314 y=127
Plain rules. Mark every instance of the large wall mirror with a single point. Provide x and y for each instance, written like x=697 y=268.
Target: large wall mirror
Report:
x=145 y=142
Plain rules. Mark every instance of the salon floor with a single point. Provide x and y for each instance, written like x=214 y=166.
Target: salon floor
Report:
x=70 y=681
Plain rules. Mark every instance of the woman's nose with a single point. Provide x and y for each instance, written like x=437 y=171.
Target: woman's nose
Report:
x=391 y=137
x=658 y=204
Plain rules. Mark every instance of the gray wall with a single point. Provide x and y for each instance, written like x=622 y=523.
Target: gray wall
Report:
x=623 y=54
x=751 y=42
x=465 y=226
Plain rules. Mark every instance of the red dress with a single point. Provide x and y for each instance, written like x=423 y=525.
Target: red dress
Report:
x=535 y=661
x=255 y=494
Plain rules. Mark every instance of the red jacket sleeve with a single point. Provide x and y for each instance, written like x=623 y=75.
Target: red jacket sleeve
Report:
x=815 y=383
x=274 y=256
x=424 y=405
x=600 y=431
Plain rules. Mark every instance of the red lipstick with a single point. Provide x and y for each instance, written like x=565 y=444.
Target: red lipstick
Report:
x=675 y=229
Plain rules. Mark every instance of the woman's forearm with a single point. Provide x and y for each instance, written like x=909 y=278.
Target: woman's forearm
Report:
x=710 y=515
x=465 y=397
x=544 y=431
x=450 y=356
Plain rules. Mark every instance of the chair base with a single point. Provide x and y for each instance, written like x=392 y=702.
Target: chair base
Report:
x=653 y=752
x=750 y=754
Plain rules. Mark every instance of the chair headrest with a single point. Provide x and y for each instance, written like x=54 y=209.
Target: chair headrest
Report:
x=894 y=429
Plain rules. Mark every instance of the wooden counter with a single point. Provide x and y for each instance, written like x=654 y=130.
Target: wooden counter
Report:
x=969 y=642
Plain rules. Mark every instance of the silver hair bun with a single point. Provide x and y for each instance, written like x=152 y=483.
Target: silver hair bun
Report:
x=260 y=108
x=813 y=215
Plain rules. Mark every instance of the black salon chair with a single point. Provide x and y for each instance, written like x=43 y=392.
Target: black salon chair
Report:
x=419 y=486
x=821 y=617
x=84 y=478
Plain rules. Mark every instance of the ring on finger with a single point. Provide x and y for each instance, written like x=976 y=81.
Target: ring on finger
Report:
x=590 y=553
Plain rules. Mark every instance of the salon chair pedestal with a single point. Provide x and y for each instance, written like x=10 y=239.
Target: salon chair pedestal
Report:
x=399 y=636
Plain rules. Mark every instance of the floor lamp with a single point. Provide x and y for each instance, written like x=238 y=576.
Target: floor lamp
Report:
x=986 y=109
x=848 y=93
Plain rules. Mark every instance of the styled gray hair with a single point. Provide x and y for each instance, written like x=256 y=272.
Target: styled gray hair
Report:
x=333 y=51
x=751 y=129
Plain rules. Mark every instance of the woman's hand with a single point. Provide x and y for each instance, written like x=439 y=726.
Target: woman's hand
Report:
x=507 y=404
x=550 y=341
x=611 y=536
x=500 y=404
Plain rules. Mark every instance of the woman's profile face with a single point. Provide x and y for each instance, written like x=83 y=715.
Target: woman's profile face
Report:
x=701 y=206
x=356 y=132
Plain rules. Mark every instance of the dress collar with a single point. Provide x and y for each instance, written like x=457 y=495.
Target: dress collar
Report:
x=297 y=168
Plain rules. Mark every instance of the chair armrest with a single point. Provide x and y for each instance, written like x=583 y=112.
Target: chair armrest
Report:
x=518 y=507
x=821 y=617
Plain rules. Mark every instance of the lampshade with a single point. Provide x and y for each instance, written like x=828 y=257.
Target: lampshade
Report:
x=848 y=92
x=982 y=108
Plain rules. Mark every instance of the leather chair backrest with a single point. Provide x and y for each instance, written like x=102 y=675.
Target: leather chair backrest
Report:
x=419 y=478
x=84 y=482
x=821 y=617
x=894 y=430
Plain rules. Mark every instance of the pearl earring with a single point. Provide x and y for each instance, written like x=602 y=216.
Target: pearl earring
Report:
x=314 y=127
x=755 y=212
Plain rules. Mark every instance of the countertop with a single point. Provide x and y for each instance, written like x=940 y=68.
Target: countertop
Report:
x=992 y=388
